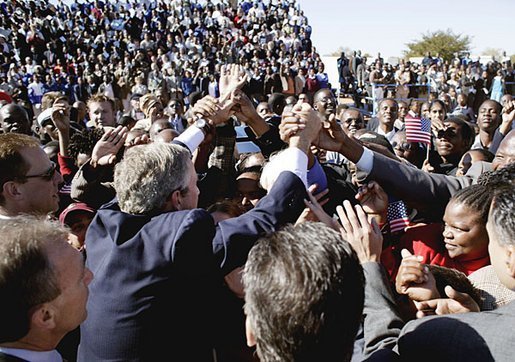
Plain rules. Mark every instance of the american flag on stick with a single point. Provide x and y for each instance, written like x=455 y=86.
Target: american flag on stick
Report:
x=418 y=130
x=397 y=216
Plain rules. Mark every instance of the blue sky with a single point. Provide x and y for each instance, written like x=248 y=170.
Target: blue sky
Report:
x=387 y=25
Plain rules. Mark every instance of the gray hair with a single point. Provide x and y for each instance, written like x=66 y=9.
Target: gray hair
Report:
x=148 y=174
x=501 y=214
x=304 y=294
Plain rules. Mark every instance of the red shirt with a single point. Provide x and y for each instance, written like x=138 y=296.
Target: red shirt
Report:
x=427 y=240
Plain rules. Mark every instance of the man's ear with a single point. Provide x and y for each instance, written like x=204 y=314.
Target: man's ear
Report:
x=249 y=333
x=175 y=200
x=11 y=190
x=43 y=317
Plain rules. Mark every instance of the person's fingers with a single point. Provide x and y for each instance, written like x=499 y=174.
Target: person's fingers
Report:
x=345 y=225
x=312 y=188
x=410 y=275
x=424 y=308
x=427 y=305
x=351 y=215
x=362 y=217
x=324 y=201
x=405 y=253
x=463 y=298
x=321 y=194
x=346 y=217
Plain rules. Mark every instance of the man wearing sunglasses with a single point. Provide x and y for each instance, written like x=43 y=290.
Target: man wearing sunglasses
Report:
x=451 y=143
x=28 y=179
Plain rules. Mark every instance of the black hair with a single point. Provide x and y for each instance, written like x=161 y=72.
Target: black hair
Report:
x=467 y=132
x=493 y=179
x=477 y=198
x=84 y=142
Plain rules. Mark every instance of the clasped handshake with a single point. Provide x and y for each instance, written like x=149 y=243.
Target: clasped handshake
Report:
x=301 y=126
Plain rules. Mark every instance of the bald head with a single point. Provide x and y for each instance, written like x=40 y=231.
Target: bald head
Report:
x=157 y=127
x=14 y=119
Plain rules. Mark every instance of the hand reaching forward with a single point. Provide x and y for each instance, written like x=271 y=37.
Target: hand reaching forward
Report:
x=105 y=151
x=213 y=110
x=414 y=278
x=365 y=237
x=232 y=76
x=374 y=201
x=300 y=126
x=60 y=116
x=331 y=137
x=314 y=210
x=456 y=303
x=244 y=110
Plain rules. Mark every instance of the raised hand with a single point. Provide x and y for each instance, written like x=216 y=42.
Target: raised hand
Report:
x=374 y=201
x=456 y=303
x=105 y=150
x=508 y=114
x=331 y=137
x=314 y=210
x=427 y=167
x=414 y=278
x=364 y=236
x=232 y=76
x=244 y=109
x=60 y=116
x=213 y=110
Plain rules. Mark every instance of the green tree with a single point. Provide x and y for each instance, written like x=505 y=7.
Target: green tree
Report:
x=444 y=42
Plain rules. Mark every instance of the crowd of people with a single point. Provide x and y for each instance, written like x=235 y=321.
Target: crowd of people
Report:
x=136 y=224
x=433 y=78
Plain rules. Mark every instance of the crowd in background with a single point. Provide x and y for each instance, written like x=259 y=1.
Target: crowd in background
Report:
x=225 y=195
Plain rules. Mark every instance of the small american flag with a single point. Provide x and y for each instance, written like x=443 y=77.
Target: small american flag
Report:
x=418 y=130
x=397 y=216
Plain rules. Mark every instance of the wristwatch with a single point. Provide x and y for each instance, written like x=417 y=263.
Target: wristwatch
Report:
x=203 y=125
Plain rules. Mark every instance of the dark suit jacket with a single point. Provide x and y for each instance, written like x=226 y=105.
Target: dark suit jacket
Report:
x=483 y=336
x=157 y=278
x=422 y=190
x=8 y=358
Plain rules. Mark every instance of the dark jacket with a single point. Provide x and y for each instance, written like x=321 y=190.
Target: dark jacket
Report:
x=157 y=278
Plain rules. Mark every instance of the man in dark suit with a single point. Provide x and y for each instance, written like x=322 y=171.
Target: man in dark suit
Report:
x=160 y=260
x=43 y=288
x=422 y=190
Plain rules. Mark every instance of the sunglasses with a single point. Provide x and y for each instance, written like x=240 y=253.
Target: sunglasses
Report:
x=47 y=175
x=404 y=146
x=448 y=133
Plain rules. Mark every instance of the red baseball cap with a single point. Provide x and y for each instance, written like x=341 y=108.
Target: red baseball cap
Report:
x=74 y=207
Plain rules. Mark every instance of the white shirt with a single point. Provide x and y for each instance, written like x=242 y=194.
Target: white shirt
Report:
x=291 y=159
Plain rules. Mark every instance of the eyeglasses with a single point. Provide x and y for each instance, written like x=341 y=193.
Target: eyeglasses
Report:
x=47 y=175
x=404 y=146
x=448 y=133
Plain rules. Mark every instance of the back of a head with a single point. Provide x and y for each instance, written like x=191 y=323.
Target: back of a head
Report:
x=148 y=174
x=26 y=276
x=49 y=99
x=277 y=101
x=304 y=293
